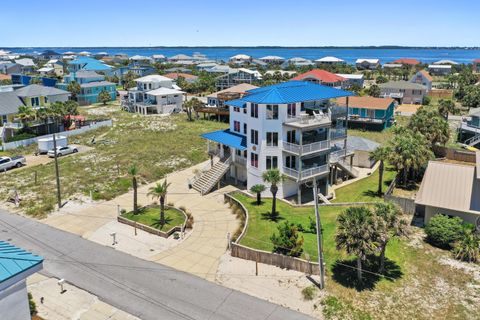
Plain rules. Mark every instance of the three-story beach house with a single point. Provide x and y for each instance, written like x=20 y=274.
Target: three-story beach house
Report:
x=288 y=126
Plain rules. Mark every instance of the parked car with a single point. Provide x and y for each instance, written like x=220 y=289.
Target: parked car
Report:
x=62 y=151
x=11 y=162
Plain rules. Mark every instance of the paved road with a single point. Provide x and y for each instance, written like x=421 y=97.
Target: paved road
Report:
x=145 y=289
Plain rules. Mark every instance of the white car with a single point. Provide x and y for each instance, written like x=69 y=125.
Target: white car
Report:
x=62 y=151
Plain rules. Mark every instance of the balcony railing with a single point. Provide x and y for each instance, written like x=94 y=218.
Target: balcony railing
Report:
x=305 y=120
x=240 y=160
x=306 y=148
x=358 y=118
x=338 y=133
x=307 y=173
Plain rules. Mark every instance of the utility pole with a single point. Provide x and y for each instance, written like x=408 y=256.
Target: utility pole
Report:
x=59 y=197
x=319 y=236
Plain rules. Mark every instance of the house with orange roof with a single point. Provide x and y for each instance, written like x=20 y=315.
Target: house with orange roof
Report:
x=407 y=61
x=190 y=78
x=323 y=77
x=424 y=78
x=367 y=112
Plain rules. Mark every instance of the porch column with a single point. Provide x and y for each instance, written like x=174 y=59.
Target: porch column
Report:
x=300 y=156
x=299 y=193
x=346 y=128
x=236 y=174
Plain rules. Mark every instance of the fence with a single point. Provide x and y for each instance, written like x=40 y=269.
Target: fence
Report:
x=274 y=259
x=406 y=204
x=440 y=93
x=454 y=154
x=27 y=142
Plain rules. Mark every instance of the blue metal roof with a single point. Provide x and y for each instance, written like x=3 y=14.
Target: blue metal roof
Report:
x=237 y=103
x=293 y=91
x=14 y=261
x=90 y=64
x=227 y=138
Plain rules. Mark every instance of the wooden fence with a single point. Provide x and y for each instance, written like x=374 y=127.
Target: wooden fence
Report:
x=440 y=93
x=406 y=204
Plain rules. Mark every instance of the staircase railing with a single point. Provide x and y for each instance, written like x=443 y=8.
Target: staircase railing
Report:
x=473 y=140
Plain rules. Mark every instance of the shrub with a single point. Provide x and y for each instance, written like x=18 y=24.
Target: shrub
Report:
x=308 y=293
x=467 y=248
x=312 y=225
x=288 y=241
x=443 y=231
x=32 y=305
x=426 y=100
x=21 y=136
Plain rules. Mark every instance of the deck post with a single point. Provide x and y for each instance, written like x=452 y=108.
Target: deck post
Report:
x=299 y=193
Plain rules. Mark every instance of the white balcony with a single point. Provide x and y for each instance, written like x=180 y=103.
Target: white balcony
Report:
x=307 y=173
x=306 y=148
x=306 y=121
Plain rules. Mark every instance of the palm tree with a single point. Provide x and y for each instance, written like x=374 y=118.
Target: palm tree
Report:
x=388 y=224
x=274 y=177
x=446 y=106
x=258 y=189
x=356 y=234
x=468 y=247
x=159 y=191
x=133 y=171
x=74 y=88
x=380 y=154
x=25 y=114
x=43 y=114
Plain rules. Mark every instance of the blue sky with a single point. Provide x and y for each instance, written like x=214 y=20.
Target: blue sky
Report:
x=239 y=23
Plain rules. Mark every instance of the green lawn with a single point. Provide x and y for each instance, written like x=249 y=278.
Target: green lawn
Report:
x=378 y=136
x=158 y=145
x=150 y=216
x=365 y=190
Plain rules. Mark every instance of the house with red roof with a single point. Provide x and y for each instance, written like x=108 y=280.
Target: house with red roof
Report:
x=424 y=78
x=175 y=75
x=407 y=61
x=476 y=65
x=323 y=77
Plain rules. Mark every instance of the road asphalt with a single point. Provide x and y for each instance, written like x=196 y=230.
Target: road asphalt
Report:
x=145 y=289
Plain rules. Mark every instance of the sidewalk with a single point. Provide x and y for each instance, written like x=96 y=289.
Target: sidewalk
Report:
x=199 y=253
x=74 y=303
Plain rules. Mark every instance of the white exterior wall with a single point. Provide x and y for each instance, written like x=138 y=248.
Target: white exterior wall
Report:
x=14 y=302
x=465 y=216
x=362 y=159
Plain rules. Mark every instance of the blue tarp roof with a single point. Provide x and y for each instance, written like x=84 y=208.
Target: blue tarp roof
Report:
x=14 y=260
x=237 y=103
x=227 y=138
x=293 y=91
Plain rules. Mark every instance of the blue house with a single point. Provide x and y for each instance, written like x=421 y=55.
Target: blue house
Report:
x=89 y=64
x=140 y=70
x=91 y=84
x=368 y=112
x=15 y=266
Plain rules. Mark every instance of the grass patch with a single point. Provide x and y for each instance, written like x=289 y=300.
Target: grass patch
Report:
x=150 y=216
x=365 y=190
x=378 y=136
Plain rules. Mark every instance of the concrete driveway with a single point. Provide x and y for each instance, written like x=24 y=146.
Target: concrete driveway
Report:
x=198 y=254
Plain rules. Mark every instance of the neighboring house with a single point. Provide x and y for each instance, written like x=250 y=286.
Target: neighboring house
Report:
x=178 y=69
x=403 y=91
x=9 y=103
x=440 y=69
x=139 y=60
x=190 y=78
x=220 y=69
x=476 y=65
x=407 y=61
x=45 y=71
x=237 y=76
x=205 y=66
x=142 y=70
x=91 y=84
x=159 y=58
x=451 y=189
x=259 y=63
x=286 y=126
x=180 y=59
x=24 y=80
x=7 y=67
x=272 y=59
x=154 y=94
x=352 y=79
x=424 y=78
x=53 y=66
x=27 y=65
x=392 y=66
x=214 y=101
x=49 y=55
x=369 y=112
x=37 y=96
x=89 y=64
x=329 y=60
x=297 y=62
x=367 y=64
x=240 y=59
x=322 y=77
x=362 y=149
x=450 y=62
x=16 y=265
x=281 y=72
x=470 y=129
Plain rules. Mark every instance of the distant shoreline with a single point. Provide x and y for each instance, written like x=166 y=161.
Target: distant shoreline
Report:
x=257 y=47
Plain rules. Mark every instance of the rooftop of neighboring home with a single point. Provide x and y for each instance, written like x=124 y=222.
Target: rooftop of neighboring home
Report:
x=139 y=58
x=476 y=60
x=153 y=78
x=176 y=75
x=272 y=58
x=439 y=66
x=180 y=57
x=158 y=56
x=446 y=62
x=90 y=64
x=362 y=60
x=240 y=57
x=392 y=65
x=402 y=85
x=320 y=75
x=366 y=102
x=164 y=91
x=408 y=61
x=26 y=62
x=9 y=102
x=85 y=74
x=15 y=261
x=330 y=59
x=451 y=186
x=50 y=53
x=299 y=60
x=290 y=92
x=96 y=84
x=350 y=76
x=35 y=90
x=239 y=88
x=46 y=69
x=426 y=75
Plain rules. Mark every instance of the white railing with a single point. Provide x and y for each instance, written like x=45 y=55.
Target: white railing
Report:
x=306 y=148
x=337 y=155
x=240 y=160
x=305 y=173
x=309 y=120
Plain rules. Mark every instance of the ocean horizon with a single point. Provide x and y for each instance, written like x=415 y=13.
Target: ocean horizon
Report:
x=349 y=54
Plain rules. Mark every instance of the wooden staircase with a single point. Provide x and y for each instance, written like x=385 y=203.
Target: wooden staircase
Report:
x=209 y=179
